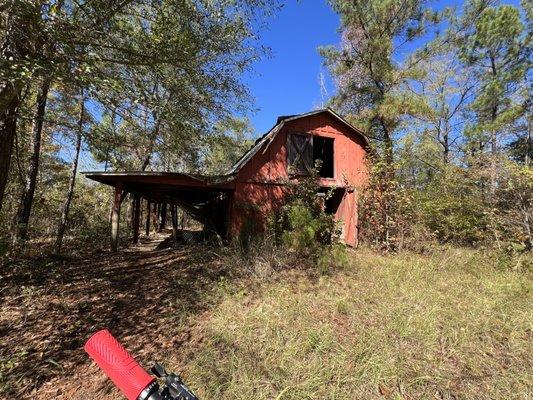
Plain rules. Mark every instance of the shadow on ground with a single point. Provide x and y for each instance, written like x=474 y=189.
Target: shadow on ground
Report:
x=51 y=306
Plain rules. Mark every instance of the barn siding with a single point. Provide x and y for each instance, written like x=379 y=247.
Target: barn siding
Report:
x=259 y=182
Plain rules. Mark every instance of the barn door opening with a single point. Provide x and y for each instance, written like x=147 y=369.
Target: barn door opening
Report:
x=334 y=201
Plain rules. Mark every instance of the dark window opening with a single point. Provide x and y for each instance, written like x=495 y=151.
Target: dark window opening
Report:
x=304 y=152
x=323 y=151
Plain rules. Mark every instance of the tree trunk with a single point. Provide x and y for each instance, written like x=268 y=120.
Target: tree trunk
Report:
x=8 y=130
x=66 y=207
x=493 y=139
x=28 y=193
x=528 y=143
x=446 y=148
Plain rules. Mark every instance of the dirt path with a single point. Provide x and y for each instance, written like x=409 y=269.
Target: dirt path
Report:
x=49 y=307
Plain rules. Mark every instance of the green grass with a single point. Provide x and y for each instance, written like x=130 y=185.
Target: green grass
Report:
x=451 y=325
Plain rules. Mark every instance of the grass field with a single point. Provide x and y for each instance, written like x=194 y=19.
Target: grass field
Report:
x=453 y=324
x=446 y=326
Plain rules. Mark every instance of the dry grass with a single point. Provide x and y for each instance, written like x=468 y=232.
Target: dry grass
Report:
x=449 y=325
x=445 y=326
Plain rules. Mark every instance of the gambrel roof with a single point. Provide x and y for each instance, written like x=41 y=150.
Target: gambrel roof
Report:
x=267 y=138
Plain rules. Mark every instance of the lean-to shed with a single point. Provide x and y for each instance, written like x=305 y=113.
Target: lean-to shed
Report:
x=256 y=184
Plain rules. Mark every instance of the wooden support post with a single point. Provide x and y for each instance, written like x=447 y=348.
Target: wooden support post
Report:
x=115 y=217
x=136 y=217
x=155 y=215
x=148 y=216
x=163 y=217
x=174 y=214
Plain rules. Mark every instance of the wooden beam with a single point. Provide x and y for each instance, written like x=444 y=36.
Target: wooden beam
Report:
x=136 y=217
x=115 y=217
x=155 y=213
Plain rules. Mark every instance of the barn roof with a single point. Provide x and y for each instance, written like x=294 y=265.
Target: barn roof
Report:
x=267 y=138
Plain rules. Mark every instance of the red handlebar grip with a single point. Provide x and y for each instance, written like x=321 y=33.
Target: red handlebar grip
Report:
x=118 y=365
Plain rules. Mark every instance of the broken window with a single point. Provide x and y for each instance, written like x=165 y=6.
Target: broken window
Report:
x=303 y=152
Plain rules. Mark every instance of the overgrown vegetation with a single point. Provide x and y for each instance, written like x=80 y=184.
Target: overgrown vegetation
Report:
x=452 y=323
x=443 y=325
x=436 y=303
x=300 y=232
x=446 y=115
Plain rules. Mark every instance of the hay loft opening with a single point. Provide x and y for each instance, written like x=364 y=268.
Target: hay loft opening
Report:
x=304 y=152
x=323 y=151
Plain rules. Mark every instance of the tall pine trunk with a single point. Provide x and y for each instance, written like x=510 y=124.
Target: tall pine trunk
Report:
x=66 y=207
x=8 y=130
x=493 y=139
x=24 y=212
x=528 y=144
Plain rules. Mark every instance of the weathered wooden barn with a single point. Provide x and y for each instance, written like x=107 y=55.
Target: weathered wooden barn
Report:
x=257 y=184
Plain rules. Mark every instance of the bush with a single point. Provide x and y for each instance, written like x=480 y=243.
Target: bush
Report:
x=451 y=207
x=303 y=225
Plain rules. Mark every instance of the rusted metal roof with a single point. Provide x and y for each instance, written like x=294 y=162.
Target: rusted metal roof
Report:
x=162 y=178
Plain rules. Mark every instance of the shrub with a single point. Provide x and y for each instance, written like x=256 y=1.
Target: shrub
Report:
x=385 y=209
x=452 y=208
x=299 y=234
x=303 y=225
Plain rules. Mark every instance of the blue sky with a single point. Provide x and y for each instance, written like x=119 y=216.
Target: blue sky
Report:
x=288 y=81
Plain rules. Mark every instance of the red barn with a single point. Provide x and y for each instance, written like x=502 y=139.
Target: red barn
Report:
x=256 y=184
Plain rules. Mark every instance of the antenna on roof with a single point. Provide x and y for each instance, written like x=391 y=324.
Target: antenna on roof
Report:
x=323 y=89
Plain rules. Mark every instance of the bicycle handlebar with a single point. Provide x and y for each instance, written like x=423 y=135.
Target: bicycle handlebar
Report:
x=118 y=364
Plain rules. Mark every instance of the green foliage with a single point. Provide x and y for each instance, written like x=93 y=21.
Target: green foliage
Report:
x=229 y=140
x=370 y=81
x=156 y=76
x=302 y=222
x=497 y=52
x=303 y=227
x=440 y=118
x=453 y=209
